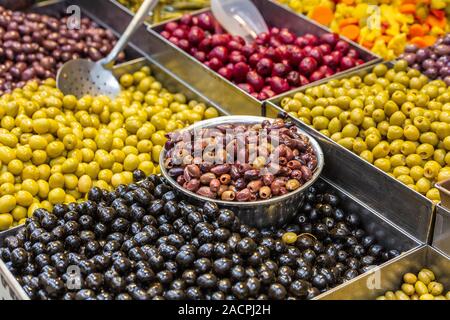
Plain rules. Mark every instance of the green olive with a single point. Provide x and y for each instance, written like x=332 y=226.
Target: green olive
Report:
x=435 y=288
x=421 y=287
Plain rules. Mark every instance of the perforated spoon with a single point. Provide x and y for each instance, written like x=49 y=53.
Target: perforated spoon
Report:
x=239 y=17
x=82 y=77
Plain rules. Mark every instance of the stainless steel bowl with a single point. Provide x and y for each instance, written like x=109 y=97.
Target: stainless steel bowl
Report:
x=263 y=213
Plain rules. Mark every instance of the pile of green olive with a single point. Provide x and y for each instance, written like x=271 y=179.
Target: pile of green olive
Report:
x=422 y=286
x=394 y=118
x=54 y=148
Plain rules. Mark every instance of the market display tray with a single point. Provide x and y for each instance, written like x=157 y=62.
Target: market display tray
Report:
x=205 y=80
x=385 y=233
x=400 y=204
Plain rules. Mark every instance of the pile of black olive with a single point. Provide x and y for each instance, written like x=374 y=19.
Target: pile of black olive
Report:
x=140 y=242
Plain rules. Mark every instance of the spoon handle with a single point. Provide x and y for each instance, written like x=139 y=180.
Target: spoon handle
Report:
x=137 y=21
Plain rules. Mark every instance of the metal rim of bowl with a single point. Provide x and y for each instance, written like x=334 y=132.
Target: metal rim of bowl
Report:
x=244 y=120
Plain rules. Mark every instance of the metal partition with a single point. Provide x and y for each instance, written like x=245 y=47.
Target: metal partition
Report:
x=441 y=237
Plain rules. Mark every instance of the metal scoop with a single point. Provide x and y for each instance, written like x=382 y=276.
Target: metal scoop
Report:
x=239 y=17
x=82 y=77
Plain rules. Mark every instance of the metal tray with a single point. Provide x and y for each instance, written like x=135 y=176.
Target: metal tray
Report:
x=220 y=90
x=389 y=276
x=275 y=15
x=444 y=191
x=441 y=237
x=384 y=231
x=403 y=206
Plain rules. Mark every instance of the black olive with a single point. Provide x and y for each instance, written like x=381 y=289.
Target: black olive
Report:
x=304 y=273
x=393 y=253
x=169 y=196
x=122 y=265
x=185 y=258
x=49 y=221
x=100 y=230
x=207 y=281
x=353 y=263
x=358 y=250
x=46 y=237
x=94 y=281
x=368 y=260
x=95 y=194
x=222 y=234
x=240 y=290
x=165 y=277
x=351 y=274
x=87 y=236
x=19 y=258
x=319 y=281
x=156 y=262
x=137 y=254
x=210 y=210
x=299 y=288
x=155 y=289
x=137 y=213
x=194 y=293
x=312 y=293
x=73 y=243
x=277 y=291
x=58 y=210
x=91 y=249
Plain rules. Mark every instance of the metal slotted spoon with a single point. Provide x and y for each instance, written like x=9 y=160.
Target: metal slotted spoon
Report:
x=82 y=77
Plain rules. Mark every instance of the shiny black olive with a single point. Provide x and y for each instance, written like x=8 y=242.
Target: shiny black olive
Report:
x=351 y=274
x=87 y=236
x=49 y=221
x=94 y=281
x=155 y=289
x=353 y=263
x=92 y=248
x=194 y=293
x=190 y=277
x=100 y=230
x=137 y=254
x=122 y=265
x=174 y=295
x=319 y=281
x=299 y=288
x=210 y=210
x=240 y=290
x=112 y=246
x=222 y=266
x=19 y=258
x=207 y=281
x=165 y=277
x=222 y=234
x=57 y=246
x=156 y=262
x=185 y=258
x=73 y=243
x=277 y=291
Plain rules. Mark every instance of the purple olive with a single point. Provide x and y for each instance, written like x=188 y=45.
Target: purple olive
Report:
x=431 y=73
x=422 y=54
x=410 y=58
x=428 y=63
x=447 y=80
x=411 y=48
x=442 y=50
